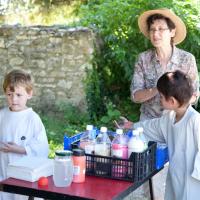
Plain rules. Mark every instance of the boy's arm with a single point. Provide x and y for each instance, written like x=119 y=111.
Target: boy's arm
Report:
x=196 y=169
x=154 y=129
x=12 y=148
x=38 y=143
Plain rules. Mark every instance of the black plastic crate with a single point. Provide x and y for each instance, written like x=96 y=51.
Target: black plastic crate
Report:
x=138 y=167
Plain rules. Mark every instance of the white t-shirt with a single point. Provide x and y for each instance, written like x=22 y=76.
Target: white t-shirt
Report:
x=26 y=129
x=183 y=141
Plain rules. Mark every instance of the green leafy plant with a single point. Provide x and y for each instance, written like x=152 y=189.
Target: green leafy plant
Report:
x=112 y=114
x=63 y=119
x=70 y=112
x=94 y=94
x=116 y=23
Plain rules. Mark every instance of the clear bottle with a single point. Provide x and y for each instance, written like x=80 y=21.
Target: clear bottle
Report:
x=87 y=140
x=63 y=168
x=102 y=143
x=142 y=136
x=119 y=145
x=119 y=149
x=135 y=143
x=102 y=148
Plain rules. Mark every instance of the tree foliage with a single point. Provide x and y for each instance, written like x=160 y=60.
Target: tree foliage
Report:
x=116 y=22
x=38 y=12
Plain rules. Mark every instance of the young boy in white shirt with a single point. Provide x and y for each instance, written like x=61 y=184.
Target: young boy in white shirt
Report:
x=21 y=129
x=179 y=128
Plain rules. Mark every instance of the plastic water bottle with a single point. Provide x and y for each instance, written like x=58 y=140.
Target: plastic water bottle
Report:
x=119 y=150
x=142 y=136
x=102 y=148
x=63 y=168
x=135 y=143
x=120 y=145
x=102 y=143
x=87 y=140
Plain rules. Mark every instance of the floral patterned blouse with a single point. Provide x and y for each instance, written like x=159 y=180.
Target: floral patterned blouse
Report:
x=148 y=70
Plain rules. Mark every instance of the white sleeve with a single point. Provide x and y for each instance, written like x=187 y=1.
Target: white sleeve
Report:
x=196 y=170
x=154 y=129
x=38 y=143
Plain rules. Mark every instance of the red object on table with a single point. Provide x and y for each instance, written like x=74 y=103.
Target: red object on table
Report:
x=43 y=181
x=93 y=187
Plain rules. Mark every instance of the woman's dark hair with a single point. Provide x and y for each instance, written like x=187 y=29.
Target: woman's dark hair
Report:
x=152 y=18
x=176 y=84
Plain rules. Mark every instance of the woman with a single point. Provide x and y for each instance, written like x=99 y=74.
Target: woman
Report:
x=165 y=30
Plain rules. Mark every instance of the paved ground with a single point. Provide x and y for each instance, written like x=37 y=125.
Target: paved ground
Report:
x=142 y=193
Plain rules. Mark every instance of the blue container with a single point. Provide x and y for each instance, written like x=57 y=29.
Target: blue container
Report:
x=68 y=141
x=129 y=133
x=161 y=155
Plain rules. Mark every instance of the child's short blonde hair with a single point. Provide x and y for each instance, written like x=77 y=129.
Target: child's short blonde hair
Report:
x=18 y=78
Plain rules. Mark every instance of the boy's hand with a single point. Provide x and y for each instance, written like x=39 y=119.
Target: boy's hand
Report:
x=124 y=123
x=128 y=125
x=12 y=147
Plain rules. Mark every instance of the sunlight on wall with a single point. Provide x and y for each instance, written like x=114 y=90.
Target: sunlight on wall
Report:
x=41 y=16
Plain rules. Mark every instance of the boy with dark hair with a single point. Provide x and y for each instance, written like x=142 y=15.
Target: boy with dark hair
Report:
x=179 y=128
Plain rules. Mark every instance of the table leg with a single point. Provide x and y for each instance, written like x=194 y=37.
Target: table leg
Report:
x=151 y=189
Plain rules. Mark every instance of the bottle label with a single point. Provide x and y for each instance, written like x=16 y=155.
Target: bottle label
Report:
x=89 y=149
x=117 y=152
x=102 y=149
x=76 y=170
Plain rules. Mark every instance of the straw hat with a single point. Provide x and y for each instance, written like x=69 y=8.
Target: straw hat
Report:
x=180 y=26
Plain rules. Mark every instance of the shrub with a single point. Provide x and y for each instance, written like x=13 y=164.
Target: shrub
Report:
x=116 y=22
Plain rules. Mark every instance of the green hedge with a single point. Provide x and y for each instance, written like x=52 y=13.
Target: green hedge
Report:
x=116 y=22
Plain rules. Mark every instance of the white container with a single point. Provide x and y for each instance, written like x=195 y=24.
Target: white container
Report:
x=63 y=168
x=135 y=143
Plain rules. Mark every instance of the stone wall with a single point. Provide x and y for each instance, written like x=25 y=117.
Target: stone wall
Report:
x=57 y=58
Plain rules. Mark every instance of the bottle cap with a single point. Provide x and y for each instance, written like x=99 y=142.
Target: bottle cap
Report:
x=78 y=152
x=89 y=127
x=135 y=132
x=119 y=131
x=140 y=129
x=63 y=153
x=103 y=129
